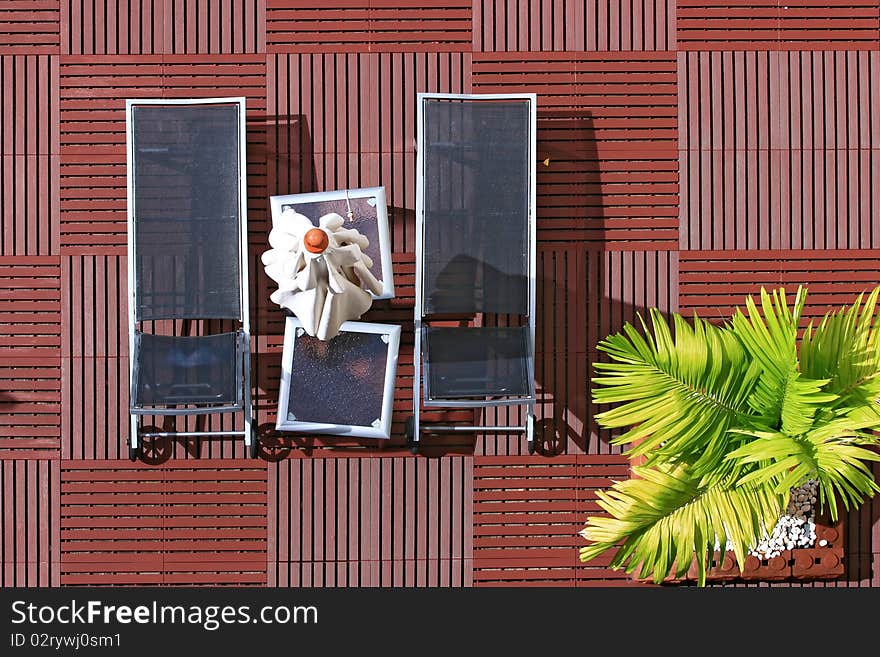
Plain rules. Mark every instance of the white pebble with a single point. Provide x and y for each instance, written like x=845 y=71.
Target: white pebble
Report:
x=795 y=528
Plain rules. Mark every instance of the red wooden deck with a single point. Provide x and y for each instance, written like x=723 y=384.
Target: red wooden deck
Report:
x=689 y=152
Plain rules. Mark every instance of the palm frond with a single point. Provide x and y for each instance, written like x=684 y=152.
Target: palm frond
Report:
x=802 y=398
x=660 y=520
x=771 y=341
x=679 y=394
x=845 y=349
x=835 y=454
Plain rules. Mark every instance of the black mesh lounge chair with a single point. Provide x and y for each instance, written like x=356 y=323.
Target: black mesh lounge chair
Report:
x=475 y=258
x=187 y=249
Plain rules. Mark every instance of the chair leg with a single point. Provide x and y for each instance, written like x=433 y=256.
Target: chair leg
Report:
x=134 y=444
x=410 y=431
x=251 y=439
x=530 y=430
x=254 y=447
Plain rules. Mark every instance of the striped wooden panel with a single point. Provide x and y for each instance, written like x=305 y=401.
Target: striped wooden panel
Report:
x=829 y=24
x=401 y=76
x=29 y=307
x=607 y=142
x=829 y=199
x=713 y=283
x=93 y=93
x=29 y=110
x=527 y=512
x=804 y=100
x=114 y=27
x=780 y=199
x=29 y=26
x=142 y=27
x=574 y=25
x=772 y=25
x=215 y=26
x=94 y=408
x=632 y=282
x=432 y=445
x=409 y=573
x=184 y=523
x=727 y=100
x=29 y=508
x=727 y=24
x=95 y=422
x=793 y=166
x=728 y=197
x=310 y=26
x=94 y=366
x=630 y=97
x=629 y=284
x=421 y=25
x=28 y=155
x=368 y=26
x=568 y=284
x=94 y=312
x=616 y=200
x=29 y=217
x=398 y=521
x=823 y=100
x=325 y=113
x=30 y=406
x=30 y=349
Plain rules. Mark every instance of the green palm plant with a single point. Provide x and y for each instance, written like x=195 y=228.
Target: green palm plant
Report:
x=726 y=420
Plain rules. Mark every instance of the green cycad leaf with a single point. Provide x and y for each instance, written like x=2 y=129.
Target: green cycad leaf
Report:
x=832 y=453
x=771 y=341
x=842 y=451
x=680 y=394
x=784 y=398
x=661 y=519
x=781 y=461
x=845 y=349
x=801 y=399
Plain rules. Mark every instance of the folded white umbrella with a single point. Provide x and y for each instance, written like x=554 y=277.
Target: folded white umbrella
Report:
x=323 y=275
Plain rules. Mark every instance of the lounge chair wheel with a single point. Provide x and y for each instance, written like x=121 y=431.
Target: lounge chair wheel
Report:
x=134 y=452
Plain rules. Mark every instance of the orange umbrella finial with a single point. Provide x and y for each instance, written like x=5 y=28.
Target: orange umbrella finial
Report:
x=316 y=240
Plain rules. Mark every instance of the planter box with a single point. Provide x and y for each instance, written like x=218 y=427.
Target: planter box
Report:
x=815 y=563
x=802 y=564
